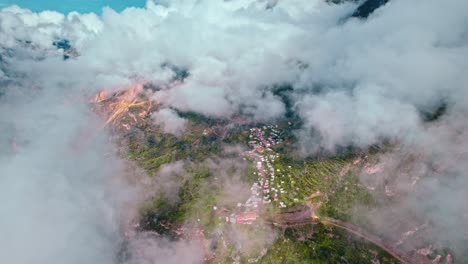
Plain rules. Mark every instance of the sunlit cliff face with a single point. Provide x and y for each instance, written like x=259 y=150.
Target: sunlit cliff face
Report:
x=119 y=105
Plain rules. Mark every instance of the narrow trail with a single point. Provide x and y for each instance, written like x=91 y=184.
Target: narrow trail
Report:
x=363 y=234
x=353 y=229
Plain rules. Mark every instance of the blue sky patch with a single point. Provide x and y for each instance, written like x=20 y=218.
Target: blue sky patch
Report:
x=66 y=6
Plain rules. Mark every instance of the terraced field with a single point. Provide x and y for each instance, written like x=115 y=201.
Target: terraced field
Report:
x=332 y=182
x=311 y=176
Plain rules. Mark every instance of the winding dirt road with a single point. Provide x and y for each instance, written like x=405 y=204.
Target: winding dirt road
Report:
x=295 y=218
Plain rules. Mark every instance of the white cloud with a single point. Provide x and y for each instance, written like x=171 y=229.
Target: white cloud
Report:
x=169 y=121
x=148 y=249
x=62 y=186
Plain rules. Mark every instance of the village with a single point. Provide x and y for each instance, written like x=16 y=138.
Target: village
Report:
x=269 y=189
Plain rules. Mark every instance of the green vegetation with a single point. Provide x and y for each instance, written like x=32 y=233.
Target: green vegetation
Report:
x=346 y=195
x=320 y=244
x=312 y=176
x=196 y=201
x=202 y=139
x=333 y=178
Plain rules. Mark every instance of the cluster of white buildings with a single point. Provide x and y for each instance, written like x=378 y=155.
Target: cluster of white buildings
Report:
x=247 y=212
x=261 y=141
x=270 y=183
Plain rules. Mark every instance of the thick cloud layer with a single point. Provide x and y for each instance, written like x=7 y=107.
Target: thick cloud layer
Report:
x=353 y=82
x=63 y=193
x=352 y=79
